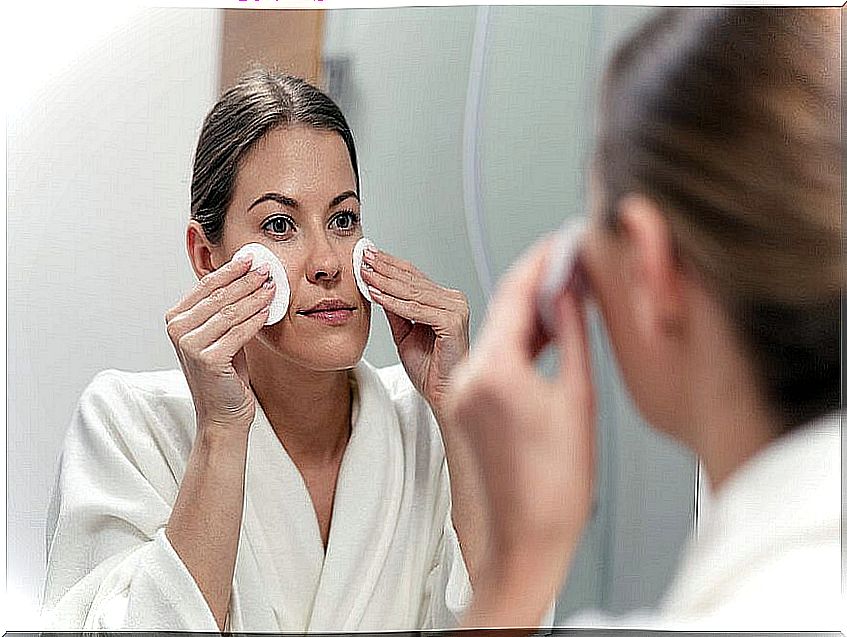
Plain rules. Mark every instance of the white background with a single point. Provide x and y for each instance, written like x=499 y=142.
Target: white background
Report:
x=103 y=114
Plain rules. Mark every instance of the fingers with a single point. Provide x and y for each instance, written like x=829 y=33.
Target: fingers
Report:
x=418 y=289
x=229 y=317
x=508 y=341
x=224 y=348
x=574 y=348
x=404 y=290
x=575 y=376
x=392 y=266
x=512 y=322
x=219 y=278
x=223 y=299
x=440 y=320
x=401 y=279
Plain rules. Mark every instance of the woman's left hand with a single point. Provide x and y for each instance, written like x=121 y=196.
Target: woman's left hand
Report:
x=429 y=322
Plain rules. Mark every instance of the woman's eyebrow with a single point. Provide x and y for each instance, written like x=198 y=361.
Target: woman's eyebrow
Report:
x=344 y=195
x=275 y=196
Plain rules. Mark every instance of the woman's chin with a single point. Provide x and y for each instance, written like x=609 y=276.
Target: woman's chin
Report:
x=320 y=353
x=334 y=364
x=337 y=359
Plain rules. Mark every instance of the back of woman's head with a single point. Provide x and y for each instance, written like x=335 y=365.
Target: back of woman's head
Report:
x=730 y=120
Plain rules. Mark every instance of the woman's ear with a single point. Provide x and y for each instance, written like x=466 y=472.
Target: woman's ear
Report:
x=200 y=250
x=656 y=279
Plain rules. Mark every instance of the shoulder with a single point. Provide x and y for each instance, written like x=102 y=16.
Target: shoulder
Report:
x=135 y=406
x=114 y=391
x=768 y=545
x=794 y=588
x=145 y=386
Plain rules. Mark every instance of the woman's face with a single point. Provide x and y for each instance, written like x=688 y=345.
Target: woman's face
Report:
x=295 y=193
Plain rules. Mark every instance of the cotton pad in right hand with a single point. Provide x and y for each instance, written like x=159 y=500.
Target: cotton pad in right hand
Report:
x=358 y=252
x=262 y=255
x=562 y=272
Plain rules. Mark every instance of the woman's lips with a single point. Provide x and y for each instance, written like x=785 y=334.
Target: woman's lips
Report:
x=330 y=311
x=337 y=316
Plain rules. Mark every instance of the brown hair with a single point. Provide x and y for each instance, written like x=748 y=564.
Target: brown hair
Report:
x=260 y=101
x=730 y=120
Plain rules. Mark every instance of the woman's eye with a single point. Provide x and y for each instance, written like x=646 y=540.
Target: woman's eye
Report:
x=345 y=221
x=278 y=225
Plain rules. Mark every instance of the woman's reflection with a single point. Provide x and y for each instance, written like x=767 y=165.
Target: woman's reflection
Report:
x=277 y=482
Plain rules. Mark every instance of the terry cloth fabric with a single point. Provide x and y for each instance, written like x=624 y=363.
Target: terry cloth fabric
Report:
x=767 y=553
x=392 y=562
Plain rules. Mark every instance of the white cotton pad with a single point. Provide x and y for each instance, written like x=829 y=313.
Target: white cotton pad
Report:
x=262 y=255
x=358 y=251
x=561 y=272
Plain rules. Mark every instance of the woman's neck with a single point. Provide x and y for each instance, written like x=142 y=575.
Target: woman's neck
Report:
x=728 y=419
x=730 y=434
x=309 y=411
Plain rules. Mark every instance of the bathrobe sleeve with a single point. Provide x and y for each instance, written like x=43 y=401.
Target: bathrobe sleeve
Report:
x=448 y=589
x=110 y=566
x=447 y=592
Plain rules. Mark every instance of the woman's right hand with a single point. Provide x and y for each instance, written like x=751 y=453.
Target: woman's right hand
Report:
x=209 y=328
x=533 y=437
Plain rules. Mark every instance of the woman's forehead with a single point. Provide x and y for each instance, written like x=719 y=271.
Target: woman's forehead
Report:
x=299 y=162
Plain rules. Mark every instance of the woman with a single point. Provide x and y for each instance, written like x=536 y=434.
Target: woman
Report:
x=275 y=483
x=714 y=258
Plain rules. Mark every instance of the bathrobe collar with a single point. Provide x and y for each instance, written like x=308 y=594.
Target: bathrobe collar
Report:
x=786 y=495
x=326 y=592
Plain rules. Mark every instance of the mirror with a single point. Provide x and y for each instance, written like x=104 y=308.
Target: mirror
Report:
x=473 y=127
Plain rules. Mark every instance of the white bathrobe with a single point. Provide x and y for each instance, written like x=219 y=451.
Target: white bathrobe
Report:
x=392 y=561
x=767 y=553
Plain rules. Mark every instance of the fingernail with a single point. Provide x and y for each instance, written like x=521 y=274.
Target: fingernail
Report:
x=370 y=253
x=263 y=269
x=268 y=284
x=374 y=291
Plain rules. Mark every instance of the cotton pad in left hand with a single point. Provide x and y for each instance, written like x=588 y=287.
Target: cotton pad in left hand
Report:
x=358 y=252
x=263 y=256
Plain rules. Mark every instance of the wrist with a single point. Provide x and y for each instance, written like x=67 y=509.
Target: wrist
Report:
x=227 y=423
x=443 y=416
x=517 y=587
x=214 y=438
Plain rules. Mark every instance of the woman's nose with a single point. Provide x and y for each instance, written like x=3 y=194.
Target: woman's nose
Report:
x=324 y=263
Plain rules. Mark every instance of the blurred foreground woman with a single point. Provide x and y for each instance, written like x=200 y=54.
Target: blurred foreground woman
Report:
x=714 y=258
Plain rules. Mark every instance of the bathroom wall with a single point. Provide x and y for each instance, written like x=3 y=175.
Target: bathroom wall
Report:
x=99 y=150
